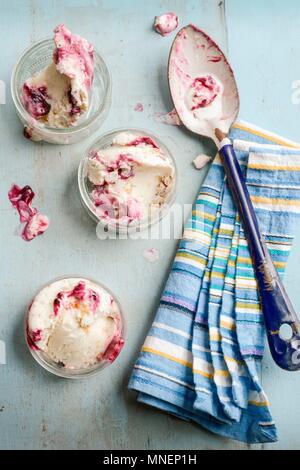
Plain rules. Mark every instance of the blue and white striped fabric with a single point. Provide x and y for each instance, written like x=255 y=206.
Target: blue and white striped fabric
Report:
x=201 y=360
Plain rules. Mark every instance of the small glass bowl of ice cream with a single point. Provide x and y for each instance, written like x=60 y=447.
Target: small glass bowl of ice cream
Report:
x=127 y=180
x=74 y=327
x=61 y=88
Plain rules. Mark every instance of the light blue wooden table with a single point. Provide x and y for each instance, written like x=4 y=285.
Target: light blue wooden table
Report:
x=37 y=410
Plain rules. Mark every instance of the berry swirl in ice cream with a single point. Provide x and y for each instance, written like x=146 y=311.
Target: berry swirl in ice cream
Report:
x=76 y=323
x=59 y=94
x=130 y=179
x=203 y=91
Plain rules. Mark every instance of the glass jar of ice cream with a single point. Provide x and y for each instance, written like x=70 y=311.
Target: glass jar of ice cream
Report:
x=127 y=180
x=74 y=327
x=61 y=89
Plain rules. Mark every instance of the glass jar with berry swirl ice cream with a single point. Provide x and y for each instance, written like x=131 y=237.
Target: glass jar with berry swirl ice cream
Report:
x=127 y=180
x=61 y=88
x=74 y=327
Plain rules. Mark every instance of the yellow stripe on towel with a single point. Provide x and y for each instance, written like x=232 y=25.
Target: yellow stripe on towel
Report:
x=272 y=138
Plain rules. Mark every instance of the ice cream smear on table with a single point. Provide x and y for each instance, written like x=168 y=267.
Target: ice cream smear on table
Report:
x=165 y=24
x=33 y=222
x=170 y=118
x=151 y=255
x=76 y=323
x=59 y=94
x=130 y=179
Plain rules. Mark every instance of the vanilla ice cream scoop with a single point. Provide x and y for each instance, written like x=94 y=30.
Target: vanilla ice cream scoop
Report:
x=59 y=93
x=130 y=179
x=76 y=323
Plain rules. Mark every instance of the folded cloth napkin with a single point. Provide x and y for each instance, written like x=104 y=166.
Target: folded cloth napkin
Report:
x=201 y=360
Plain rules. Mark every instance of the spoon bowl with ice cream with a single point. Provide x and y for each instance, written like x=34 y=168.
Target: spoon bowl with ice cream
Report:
x=206 y=98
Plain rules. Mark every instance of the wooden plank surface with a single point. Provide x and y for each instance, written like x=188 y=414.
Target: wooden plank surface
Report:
x=36 y=409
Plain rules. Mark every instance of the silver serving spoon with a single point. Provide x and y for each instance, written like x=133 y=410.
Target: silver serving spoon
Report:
x=205 y=96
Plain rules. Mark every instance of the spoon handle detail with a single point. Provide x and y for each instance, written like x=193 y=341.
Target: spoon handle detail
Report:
x=276 y=305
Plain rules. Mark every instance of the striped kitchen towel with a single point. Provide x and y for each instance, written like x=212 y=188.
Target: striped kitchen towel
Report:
x=201 y=360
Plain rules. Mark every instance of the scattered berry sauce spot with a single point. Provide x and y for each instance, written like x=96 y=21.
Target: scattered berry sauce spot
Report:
x=139 y=108
x=151 y=255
